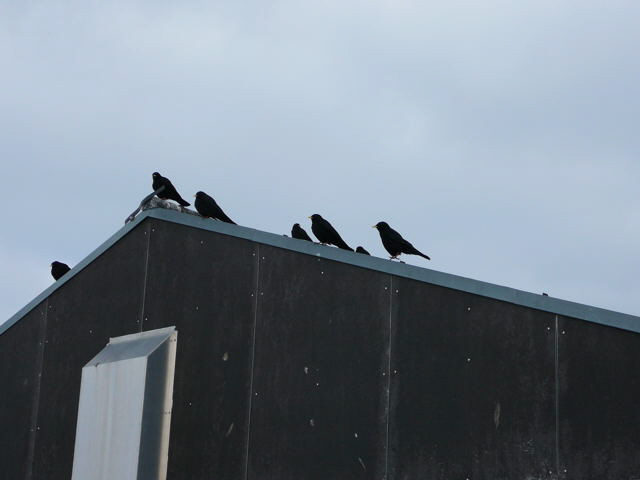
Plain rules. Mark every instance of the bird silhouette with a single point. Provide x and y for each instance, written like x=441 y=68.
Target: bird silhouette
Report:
x=298 y=232
x=207 y=207
x=326 y=234
x=394 y=243
x=58 y=269
x=169 y=192
x=362 y=250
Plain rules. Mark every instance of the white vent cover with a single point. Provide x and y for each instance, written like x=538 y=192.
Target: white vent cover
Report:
x=124 y=413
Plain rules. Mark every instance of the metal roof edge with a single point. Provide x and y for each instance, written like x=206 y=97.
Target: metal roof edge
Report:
x=71 y=273
x=507 y=294
x=554 y=305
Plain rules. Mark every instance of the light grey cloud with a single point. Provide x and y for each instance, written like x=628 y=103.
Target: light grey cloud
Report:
x=498 y=137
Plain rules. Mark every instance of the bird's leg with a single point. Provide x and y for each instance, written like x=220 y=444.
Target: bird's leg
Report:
x=393 y=257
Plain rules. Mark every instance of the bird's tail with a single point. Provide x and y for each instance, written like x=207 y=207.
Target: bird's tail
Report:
x=424 y=256
x=226 y=219
x=344 y=246
x=183 y=202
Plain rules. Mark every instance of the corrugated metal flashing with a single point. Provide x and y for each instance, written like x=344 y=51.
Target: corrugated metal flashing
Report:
x=498 y=292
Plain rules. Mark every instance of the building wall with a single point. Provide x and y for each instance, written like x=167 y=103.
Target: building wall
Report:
x=293 y=366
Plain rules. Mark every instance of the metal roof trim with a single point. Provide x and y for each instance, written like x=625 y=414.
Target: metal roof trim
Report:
x=70 y=274
x=511 y=295
x=519 y=297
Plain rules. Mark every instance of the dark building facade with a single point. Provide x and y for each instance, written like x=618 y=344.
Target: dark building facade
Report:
x=298 y=361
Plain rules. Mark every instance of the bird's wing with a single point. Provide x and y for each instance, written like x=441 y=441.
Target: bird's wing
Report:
x=170 y=191
x=319 y=230
x=395 y=236
x=299 y=233
x=216 y=211
x=336 y=238
x=339 y=242
x=225 y=218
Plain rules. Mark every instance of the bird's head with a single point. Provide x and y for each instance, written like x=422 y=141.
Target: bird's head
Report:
x=155 y=174
x=296 y=225
x=199 y=194
x=381 y=225
x=315 y=217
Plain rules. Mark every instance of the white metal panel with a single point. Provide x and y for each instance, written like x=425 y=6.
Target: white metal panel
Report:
x=125 y=408
x=167 y=407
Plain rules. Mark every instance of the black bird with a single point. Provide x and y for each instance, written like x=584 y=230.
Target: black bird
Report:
x=362 y=250
x=169 y=192
x=207 y=207
x=58 y=269
x=394 y=243
x=326 y=233
x=298 y=232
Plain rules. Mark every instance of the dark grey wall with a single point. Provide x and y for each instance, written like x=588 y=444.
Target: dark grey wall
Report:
x=20 y=367
x=292 y=366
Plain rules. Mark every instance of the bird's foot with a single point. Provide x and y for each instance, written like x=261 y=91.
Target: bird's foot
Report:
x=395 y=257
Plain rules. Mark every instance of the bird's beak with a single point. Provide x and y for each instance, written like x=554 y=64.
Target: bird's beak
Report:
x=194 y=196
x=309 y=218
x=375 y=226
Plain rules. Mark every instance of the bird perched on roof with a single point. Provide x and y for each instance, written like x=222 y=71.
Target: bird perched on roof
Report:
x=326 y=234
x=394 y=243
x=58 y=269
x=169 y=192
x=362 y=250
x=298 y=232
x=207 y=207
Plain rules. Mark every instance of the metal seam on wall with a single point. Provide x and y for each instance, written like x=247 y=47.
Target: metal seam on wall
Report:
x=146 y=271
x=557 y=395
x=253 y=356
x=35 y=407
x=388 y=405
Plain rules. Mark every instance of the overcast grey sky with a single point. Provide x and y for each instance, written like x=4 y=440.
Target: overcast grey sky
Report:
x=499 y=137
